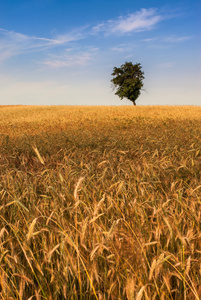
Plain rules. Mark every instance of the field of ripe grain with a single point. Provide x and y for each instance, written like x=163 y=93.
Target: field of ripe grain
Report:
x=100 y=202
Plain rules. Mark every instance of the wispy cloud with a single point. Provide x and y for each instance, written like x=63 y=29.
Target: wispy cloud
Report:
x=168 y=39
x=150 y=40
x=145 y=19
x=14 y=43
x=123 y=48
x=69 y=58
x=177 y=39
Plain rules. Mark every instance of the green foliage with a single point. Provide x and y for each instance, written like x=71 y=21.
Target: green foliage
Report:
x=128 y=80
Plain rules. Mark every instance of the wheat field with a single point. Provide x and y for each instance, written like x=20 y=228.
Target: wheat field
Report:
x=100 y=202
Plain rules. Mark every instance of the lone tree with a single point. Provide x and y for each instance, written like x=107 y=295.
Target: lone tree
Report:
x=128 y=81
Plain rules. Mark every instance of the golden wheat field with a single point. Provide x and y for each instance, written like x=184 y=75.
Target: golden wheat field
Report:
x=100 y=202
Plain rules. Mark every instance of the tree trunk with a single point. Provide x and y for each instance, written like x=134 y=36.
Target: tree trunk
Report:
x=134 y=103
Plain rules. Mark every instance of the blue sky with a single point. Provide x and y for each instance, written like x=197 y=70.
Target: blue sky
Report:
x=63 y=52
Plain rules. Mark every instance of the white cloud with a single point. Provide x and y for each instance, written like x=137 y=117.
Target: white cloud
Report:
x=119 y=49
x=14 y=43
x=175 y=39
x=123 y=48
x=142 y=20
x=67 y=59
x=149 y=40
x=168 y=39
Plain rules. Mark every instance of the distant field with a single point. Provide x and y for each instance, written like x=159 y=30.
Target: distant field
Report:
x=100 y=202
x=19 y=120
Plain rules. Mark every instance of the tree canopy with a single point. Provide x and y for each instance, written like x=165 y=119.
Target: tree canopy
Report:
x=128 y=81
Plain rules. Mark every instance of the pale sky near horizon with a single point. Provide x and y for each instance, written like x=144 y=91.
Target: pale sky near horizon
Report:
x=62 y=52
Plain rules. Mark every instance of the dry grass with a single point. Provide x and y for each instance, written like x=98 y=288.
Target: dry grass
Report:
x=100 y=202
